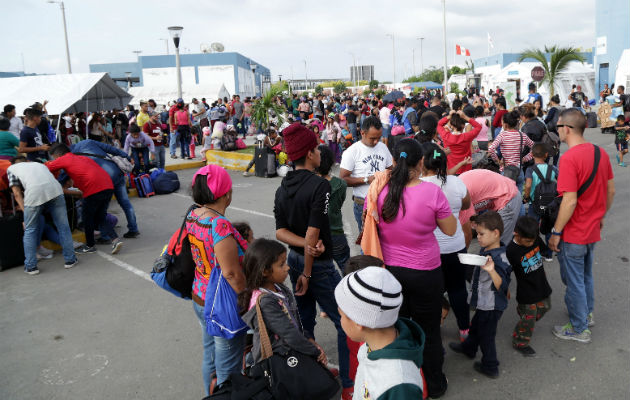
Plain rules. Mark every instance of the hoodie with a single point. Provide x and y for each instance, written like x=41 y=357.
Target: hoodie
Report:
x=392 y=372
x=301 y=202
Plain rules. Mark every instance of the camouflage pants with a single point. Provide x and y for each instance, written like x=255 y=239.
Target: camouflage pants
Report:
x=529 y=313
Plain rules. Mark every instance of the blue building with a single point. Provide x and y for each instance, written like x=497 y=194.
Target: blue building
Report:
x=612 y=32
x=505 y=59
x=239 y=74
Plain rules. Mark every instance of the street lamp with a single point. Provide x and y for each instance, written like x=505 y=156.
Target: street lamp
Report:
x=421 y=39
x=305 y=76
x=165 y=41
x=176 y=34
x=65 y=31
x=253 y=67
x=354 y=74
x=393 y=54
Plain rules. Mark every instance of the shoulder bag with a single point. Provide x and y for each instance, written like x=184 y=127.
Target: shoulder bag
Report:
x=512 y=171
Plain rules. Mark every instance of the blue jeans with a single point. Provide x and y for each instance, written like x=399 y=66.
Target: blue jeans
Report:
x=172 y=143
x=387 y=129
x=224 y=356
x=358 y=214
x=576 y=271
x=340 y=251
x=352 y=127
x=32 y=232
x=321 y=290
x=135 y=154
x=520 y=181
x=184 y=145
x=160 y=159
x=120 y=191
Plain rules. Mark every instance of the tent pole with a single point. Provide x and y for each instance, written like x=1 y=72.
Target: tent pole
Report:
x=58 y=131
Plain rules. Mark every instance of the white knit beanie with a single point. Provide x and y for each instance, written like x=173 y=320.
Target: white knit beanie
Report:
x=371 y=297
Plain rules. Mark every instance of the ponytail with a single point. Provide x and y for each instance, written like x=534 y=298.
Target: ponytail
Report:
x=407 y=155
x=435 y=160
x=511 y=118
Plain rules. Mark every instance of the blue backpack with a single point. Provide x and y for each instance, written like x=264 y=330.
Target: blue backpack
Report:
x=166 y=182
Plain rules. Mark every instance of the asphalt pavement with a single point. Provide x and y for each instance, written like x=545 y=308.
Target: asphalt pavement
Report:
x=104 y=330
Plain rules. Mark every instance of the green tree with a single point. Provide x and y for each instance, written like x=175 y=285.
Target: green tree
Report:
x=265 y=106
x=380 y=93
x=319 y=89
x=373 y=84
x=434 y=74
x=558 y=61
x=339 y=87
x=282 y=86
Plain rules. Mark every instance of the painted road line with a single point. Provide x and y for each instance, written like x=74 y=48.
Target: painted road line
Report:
x=125 y=266
x=236 y=208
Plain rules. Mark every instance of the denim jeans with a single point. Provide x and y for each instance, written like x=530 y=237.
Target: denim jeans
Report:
x=223 y=356
x=184 y=145
x=160 y=159
x=120 y=191
x=576 y=271
x=321 y=290
x=32 y=232
x=358 y=214
x=340 y=251
x=94 y=209
x=135 y=155
x=387 y=129
x=172 y=143
x=352 y=127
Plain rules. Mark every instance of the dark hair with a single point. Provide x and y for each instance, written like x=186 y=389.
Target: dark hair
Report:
x=469 y=112
x=8 y=108
x=327 y=160
x=555 y=98
x=201 y=193
x=527 y=111
x=400 y=176
x=18 y=159
x=531 y=86
x=243 y=228
x=490 y=220
x=540 y=150
x=511 y=118
x=575 y=118
x=465 y=100
x=5 y=124
x=371 y=122
x=361 y=261
x=133 y=128
x=457 y=122
x=526 y=227
x=435 y=160
x=479 y=111
x=500 y=101
x=619 y=118
x=621 y=87
x=58 y=149
x=259 y=257
x=30 y=112
x=457 y=104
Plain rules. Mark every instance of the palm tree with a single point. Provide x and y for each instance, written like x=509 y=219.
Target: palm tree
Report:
x=266 y=106
x=558 y=61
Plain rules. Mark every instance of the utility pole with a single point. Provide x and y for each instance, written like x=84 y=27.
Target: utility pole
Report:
x=445 y=61
x=421 y=59
x=413 y=57
x=305 y=75
x=393 y=54
x=165 y=41
x=65 y=32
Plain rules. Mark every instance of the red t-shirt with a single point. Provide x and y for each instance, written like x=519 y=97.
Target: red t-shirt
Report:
x=153 y=131
x=574 y=168
x=497 y=122
x=86 y=174
x=458 y=144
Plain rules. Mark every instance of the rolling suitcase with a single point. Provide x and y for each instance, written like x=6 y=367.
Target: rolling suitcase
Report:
x=260 y=161
x=591 y=120
x=11 y=239
x=271 y=165
x=144 y=186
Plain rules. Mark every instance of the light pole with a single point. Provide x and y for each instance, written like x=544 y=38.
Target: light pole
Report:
x=305 y=76
x=445 y=61
x=165 y=41
x=176 y=34
x=354 y=73
x=421 y=39
x=65 y=32
x=393 y=54
x=128 y=75
x=253 y=67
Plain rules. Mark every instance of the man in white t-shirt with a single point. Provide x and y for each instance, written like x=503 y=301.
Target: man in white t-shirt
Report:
x=36 y=190
x=361 y=160
x=198 y=111
x=16 y=122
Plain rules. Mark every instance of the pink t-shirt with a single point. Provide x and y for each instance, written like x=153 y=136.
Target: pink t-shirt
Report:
x=408 y=241
x=488 y=191
x=483 y=133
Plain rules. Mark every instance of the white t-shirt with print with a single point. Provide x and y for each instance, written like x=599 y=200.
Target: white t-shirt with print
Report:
x=364 y=161
x=455 y=190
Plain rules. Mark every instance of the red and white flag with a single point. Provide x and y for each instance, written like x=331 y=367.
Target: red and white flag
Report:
x=461 y=51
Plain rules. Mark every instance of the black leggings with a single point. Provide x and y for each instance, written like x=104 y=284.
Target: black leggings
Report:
x=455 y=284
x=422 y=302
x=94 y=211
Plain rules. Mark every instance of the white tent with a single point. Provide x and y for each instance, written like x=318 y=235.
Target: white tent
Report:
x=163 y=94
x=65 y=92
x=622 y=74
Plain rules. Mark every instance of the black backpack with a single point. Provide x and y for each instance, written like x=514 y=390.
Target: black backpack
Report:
x=228 y=142
x=545 y=192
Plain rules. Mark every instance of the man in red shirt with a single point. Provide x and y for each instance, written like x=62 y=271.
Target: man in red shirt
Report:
x=579 y=221
x=97 y=189
x=174 y=136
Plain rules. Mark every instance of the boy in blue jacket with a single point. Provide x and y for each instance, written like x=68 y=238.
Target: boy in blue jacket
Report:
x=488 y=295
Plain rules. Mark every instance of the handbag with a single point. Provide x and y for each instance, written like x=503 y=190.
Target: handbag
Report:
x=294 y=376
x=512 y=171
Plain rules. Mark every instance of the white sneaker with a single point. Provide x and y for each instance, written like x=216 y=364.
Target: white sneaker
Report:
x=43 y=253
x=116 y=246
x=76 y=245
x=245 y=173
x=72 y=264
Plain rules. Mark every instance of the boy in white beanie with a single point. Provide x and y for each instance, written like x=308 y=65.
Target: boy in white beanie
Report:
x=390 y=359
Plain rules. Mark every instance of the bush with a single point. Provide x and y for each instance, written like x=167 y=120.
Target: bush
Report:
x=373 y=84
x=339 y=87
x=319 y=89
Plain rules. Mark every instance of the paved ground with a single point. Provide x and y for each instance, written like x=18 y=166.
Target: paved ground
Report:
x=103 y=331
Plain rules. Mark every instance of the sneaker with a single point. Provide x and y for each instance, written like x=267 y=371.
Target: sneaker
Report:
x=458 y=348
x=76 y=245
x=131 y=235
x=246 y=173
x=526 y=351
x=623 y=164
x=479 y=368
x=590 y=319
x=103 y=241
x=84 y=249
x=566 y=332
x=43 y=253
x=32 y=271
x=173 y=156
x=72 y=264
x=116 y=246
x=463 y=335
x=347 y=393
x=548 y=258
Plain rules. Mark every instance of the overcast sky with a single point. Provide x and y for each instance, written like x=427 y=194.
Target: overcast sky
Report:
x=281 y=34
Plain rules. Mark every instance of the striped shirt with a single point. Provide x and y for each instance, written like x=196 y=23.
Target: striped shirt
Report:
x=510 y=143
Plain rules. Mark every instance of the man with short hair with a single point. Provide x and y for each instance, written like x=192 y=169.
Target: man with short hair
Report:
x=624 y=101
x=352 y=112
x=532 y=96
x=361 y=160
x=585 y=182
x=436 y=106
x=318 y=108
x=31 y=141
x=238 y=116
x=36 y=190
x=174 y=137
x=16 y=122
x=198 y=112
x=143 y=115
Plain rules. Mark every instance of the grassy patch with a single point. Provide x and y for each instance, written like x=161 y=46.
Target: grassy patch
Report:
x=247 y=150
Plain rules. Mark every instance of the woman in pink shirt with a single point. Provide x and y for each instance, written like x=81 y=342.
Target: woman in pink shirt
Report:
x=409 y=211
x=482 y=138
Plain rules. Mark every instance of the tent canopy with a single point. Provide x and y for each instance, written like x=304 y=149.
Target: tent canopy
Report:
x=164 y=94
x=65 y=92
x=426 y=84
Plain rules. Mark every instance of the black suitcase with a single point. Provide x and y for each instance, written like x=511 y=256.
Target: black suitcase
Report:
x=11 y=240
x=271 y=164
x=591 y=120
x=260 y=161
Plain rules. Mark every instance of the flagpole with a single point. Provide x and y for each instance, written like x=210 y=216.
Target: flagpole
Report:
x=445 y=60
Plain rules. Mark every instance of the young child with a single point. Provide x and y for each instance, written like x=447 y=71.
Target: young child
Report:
x=206 y=141
x=488 y=296
x=390 y=359
x=266 y=269
x=622 y=134
x=245 y=230
x=532 y=288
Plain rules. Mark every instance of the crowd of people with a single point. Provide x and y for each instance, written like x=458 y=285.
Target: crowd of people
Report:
x=427 y=173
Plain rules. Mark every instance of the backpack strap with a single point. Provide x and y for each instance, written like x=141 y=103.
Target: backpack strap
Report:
x=546 y=179
x=549 y=172
x=266 y=350
x=590 y=179
x=181 y=228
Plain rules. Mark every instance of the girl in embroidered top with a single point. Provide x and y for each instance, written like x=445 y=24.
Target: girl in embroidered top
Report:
x=266 y=269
